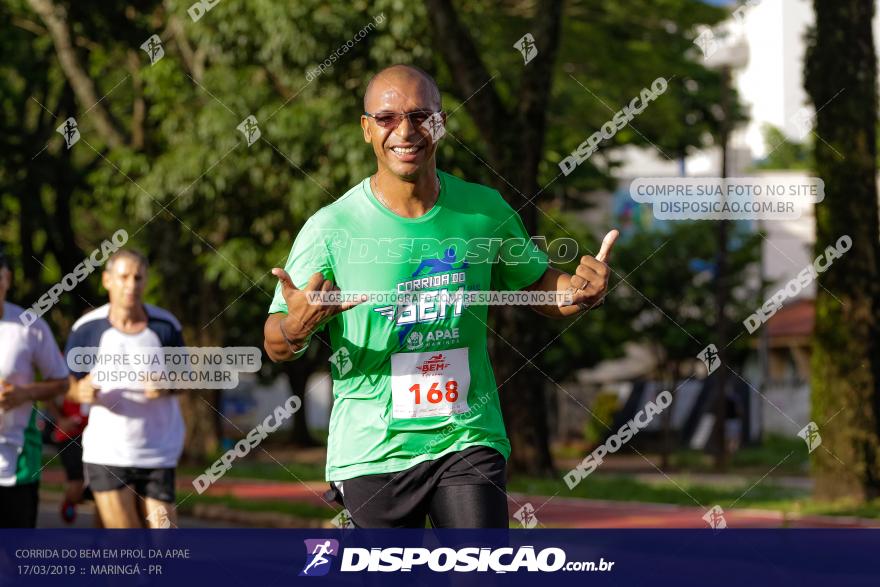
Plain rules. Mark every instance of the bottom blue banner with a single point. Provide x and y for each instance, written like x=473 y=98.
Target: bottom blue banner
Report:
x=260 y=558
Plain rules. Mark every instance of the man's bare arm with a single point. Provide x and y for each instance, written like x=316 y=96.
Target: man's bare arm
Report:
x=285 y=336
x=277 y=347
x=12 y=395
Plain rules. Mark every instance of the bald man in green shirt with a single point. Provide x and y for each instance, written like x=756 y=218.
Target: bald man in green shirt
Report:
x=416 y=428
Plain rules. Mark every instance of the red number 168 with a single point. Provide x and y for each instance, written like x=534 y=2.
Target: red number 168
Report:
x=435 y=395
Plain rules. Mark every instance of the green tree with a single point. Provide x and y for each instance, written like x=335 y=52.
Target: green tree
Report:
x=785 y=153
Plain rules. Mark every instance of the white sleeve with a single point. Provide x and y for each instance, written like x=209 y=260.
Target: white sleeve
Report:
x=46 y=355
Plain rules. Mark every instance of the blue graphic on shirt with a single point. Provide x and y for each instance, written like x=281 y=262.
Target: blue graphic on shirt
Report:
x=446 y=264
x=441 y=265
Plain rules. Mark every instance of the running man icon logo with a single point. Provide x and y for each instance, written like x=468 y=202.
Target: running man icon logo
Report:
x=341 y=359
x=153 y=48
x=343 y=520
x=715 y=518
x=319 y=554
x=158 y=518
x=249 y=129
x=802 y=121
x=709 y=356
x=434 y=126
x=810 y=434
x=526 y=46
x=70 y=131
x=706 y=41
x=440 y=265
x=526 y=516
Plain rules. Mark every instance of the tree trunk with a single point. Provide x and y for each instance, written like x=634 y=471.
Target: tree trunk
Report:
x=722 y=287
x=841 y=73
x=515 y=146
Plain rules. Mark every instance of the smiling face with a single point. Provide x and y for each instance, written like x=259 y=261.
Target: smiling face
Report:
x=407 y=150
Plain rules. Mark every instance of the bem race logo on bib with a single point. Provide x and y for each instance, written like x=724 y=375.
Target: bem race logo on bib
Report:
x=434 y=364
x=319 y=556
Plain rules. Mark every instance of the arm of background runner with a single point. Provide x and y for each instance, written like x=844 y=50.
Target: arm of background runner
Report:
x=48 y=361
x=169 y=338
x=12 y=396
x=80 y=388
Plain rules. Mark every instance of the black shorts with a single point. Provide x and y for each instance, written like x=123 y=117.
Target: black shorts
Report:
x=153 y=483
x=462 y=489
x=18 y=505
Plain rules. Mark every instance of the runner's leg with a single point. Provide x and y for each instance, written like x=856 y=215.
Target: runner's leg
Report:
x=70 y=454
x=158 y=491
x=393 y=500
x=118 y=508
x=468 y=506
x=159 y=514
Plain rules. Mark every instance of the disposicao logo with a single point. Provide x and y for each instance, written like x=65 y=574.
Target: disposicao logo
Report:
x=320 y=553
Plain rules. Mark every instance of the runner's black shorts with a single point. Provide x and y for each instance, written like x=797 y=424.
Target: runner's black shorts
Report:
x=465 y=489
x=18 y=505
x=153 y=483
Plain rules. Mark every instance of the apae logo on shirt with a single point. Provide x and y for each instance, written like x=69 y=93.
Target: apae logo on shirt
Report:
x=444 y=336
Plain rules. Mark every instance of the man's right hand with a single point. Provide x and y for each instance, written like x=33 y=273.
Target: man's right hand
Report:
x=303 y=315
x=83 y=391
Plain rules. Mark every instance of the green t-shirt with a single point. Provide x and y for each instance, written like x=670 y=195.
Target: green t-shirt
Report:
x=413 y=382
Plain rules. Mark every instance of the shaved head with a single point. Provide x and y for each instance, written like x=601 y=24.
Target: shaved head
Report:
x=403 y=148
x=400 y=77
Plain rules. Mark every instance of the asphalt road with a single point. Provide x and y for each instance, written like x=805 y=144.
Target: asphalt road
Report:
x=49 y=516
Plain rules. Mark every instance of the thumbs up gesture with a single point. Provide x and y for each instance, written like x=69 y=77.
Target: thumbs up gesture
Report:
x=590 y=280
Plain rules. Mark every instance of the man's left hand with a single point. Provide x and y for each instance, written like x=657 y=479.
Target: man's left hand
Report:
x=590 y=281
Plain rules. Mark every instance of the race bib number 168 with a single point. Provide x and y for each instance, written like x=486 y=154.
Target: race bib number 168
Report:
x=430 y=384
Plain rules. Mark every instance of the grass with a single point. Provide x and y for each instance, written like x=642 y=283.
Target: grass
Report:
x=622 y=488
x=771 y=452
x=787 y=455
x=764 y=495
x=292 y=508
